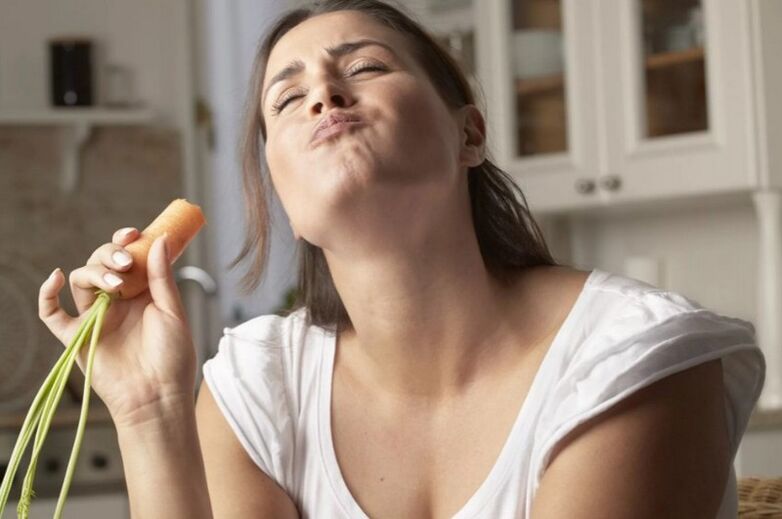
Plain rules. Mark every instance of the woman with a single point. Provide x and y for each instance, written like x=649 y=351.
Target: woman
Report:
x=439 y=363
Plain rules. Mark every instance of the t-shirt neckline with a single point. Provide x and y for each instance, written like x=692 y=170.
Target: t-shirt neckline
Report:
x=502 y=465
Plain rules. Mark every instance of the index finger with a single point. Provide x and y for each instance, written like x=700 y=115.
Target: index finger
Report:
x=49 y=311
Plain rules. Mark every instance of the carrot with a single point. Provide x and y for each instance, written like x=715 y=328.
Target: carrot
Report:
x=182 y=221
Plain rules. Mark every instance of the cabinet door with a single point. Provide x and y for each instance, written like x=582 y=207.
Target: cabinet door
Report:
x=539 y=67
x=675 y=91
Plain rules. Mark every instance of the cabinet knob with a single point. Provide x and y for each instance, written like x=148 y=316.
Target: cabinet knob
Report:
x=610 y=182
x=585 y=186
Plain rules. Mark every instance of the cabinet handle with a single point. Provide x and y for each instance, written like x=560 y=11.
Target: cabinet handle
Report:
x=610 y=182
x=585 y=185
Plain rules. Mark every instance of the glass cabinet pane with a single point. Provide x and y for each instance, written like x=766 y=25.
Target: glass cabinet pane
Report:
x=537 y=61
x=674 y=67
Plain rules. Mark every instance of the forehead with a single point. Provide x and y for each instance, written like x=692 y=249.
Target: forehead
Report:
x=309 y=39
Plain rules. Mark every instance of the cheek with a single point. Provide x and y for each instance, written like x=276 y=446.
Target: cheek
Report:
x=426 y=131
x=284 y=154
x=291 y=174
x=281 y=173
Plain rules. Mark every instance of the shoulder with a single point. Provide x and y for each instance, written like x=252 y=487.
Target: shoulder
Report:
x=641 y=363
x=269 y=353
x=270 y=330
x=600 y=310
x=261 y=379
x=618 y=313
x=281 y=341
x=626 y=335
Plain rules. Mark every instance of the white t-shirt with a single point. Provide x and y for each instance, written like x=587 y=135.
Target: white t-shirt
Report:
x=272 y=380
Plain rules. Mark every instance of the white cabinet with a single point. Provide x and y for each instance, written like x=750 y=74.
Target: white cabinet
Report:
x=699 y=95
x=652 y=99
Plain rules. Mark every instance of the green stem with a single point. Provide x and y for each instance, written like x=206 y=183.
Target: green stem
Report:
x=35 y=416
x=49 y=408
x=85 y=405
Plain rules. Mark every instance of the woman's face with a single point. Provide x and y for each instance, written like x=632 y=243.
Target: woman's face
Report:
x=389 y=172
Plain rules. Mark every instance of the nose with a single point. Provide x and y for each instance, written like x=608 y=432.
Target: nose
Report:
x=330 y=94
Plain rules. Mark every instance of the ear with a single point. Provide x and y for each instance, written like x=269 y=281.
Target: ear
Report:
x=473 y=136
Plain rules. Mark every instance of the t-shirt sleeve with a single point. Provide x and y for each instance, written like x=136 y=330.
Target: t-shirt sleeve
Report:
x=247 y=378
x=611 y=372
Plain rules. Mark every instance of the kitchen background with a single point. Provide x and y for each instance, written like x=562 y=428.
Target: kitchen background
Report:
x=643 y=132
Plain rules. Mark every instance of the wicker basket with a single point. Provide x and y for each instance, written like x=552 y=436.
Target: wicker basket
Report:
x=760 y=497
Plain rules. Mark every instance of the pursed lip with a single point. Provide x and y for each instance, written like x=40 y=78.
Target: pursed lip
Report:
x=330 y=120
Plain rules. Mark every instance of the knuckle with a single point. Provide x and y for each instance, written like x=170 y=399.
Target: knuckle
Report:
x=101 y=254
x=78 y=277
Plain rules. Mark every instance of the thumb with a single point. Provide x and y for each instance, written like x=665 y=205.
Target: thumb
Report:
x=162 y=285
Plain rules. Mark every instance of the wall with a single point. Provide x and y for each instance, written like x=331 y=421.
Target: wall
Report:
x=706 y=253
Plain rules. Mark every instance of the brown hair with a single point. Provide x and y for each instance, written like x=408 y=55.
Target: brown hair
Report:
x=508 y=236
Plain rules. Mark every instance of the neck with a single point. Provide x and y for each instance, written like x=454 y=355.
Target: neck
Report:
x=424 y=330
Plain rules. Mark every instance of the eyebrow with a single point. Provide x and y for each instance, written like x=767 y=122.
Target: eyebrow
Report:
x=343 y=49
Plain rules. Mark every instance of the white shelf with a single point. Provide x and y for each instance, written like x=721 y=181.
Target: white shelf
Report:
x=77 y=123
x=77 y=115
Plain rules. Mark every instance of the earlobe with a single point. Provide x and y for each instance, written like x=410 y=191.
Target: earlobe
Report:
x=474 y=137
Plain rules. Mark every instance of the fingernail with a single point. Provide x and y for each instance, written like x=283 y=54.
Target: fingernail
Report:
x=125 y=231
x=111 y=279
x=120 y=258
x=51 y=276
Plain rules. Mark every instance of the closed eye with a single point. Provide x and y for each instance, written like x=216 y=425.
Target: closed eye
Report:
x=364 y=68
x=280 y=105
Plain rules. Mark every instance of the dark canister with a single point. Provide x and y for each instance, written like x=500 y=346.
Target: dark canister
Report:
x=71 y=71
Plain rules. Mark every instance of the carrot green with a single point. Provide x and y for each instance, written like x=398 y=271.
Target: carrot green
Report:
x=42 y=410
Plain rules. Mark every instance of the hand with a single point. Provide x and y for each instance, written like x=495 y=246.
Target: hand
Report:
x=145 y=359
